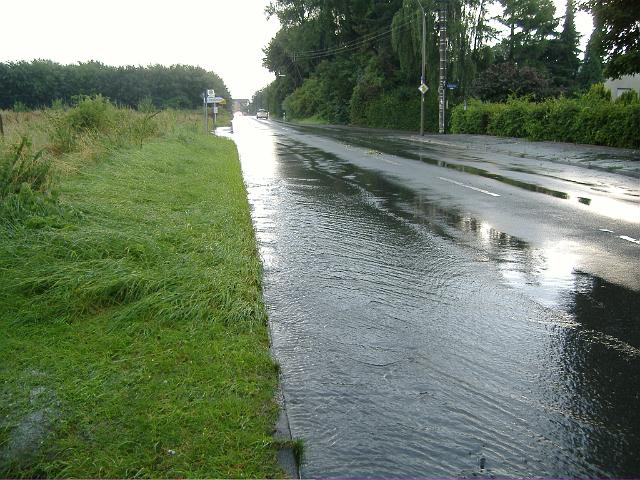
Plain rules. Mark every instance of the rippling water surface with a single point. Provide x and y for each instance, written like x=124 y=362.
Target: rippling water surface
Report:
x=416 y=341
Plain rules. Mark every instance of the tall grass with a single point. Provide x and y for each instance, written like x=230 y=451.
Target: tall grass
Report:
x=40 y=146
x=134 y=334
x=21 y=165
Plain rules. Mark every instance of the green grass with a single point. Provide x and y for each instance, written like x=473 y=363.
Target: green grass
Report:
x=134 y=336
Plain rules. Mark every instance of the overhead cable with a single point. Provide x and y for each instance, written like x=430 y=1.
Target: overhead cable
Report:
x=354 y=44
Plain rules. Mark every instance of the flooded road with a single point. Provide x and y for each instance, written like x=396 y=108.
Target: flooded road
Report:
x=415 y=338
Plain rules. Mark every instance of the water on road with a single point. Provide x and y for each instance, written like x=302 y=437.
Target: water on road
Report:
x=406 y=345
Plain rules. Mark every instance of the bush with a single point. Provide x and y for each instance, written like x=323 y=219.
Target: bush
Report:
x=509 y=121
x=304 y=101
x=398 y=109
x=536 y=124
x=95 y=114
x=628 y=98
x=95 y=121
x=591 y=119
x=559 y=122
x=474 y=119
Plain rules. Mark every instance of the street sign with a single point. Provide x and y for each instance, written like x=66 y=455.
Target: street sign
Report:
x=211 y=99
x=219 y=100
x=423 y=88
x=211 y=93
x=451 y=86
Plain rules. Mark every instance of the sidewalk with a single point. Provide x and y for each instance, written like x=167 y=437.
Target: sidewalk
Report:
x=615 y=160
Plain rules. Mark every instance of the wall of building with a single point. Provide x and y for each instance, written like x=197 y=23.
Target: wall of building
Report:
x=621 y=85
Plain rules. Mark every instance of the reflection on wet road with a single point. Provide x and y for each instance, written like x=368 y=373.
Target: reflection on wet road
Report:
x=407 y=345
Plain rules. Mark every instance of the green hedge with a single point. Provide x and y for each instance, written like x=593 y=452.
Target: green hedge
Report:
x=590 y=119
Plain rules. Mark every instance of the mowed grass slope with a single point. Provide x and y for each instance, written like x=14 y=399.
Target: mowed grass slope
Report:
x=134 y=339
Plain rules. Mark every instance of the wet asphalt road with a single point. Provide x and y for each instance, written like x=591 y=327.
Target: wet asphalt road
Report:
x=435 y=315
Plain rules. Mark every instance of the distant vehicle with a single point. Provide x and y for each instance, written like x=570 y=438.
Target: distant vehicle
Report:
x=262 y=114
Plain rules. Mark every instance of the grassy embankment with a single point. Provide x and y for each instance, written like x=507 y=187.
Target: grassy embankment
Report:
x=133 y=330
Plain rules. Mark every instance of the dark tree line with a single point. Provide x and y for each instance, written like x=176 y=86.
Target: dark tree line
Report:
x=38 y=83
x=358 y=61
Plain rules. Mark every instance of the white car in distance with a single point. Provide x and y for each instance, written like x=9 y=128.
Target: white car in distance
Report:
x=262 y=114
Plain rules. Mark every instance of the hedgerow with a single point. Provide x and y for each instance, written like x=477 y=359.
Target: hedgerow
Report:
x=591 y=119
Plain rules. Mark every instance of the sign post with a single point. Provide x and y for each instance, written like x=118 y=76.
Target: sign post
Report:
x=204 y=112
x=211 y=98
x=423 y=89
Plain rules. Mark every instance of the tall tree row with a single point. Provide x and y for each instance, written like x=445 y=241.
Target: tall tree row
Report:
x=359 y=61
x=40 y=82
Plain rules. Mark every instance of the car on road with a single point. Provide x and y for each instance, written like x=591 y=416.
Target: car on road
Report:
x=262 y=114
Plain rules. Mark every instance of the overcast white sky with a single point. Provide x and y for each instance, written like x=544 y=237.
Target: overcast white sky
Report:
x=225 y=36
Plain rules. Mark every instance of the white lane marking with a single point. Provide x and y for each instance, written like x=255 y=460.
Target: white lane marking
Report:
x=389 y=161
x=469 y=186
x=606 y=230
x=629 y=239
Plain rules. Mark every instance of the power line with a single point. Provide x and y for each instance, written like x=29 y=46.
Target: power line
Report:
x=354 y=44
x=357 y=40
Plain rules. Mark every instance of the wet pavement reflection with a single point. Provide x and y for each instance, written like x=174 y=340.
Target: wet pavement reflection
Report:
x=416 y=340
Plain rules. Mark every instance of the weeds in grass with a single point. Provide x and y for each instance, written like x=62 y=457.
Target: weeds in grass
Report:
x=296 y=445
x=20 y=165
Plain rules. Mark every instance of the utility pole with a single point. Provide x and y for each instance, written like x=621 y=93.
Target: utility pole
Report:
x=423 y=86
x=424 y=60
x=442 y=84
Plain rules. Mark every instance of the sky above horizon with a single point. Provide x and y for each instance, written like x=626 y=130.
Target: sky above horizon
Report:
x=223 y=36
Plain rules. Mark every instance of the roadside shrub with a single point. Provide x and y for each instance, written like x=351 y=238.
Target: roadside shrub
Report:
x=509 y=120
x=559 y=123
x=94 y=114
x=597 y=93
x=475 y=119
x=628 y=98
x=89 y=116
x=398 y=109
x=96 y=123
x=305 y=100
x=536 y=123
x=590 y=119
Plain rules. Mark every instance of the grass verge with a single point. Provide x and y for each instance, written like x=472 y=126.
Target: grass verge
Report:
x=134 y=335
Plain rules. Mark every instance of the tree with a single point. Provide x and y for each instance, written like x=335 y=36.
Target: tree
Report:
x=40 y=82
x=561 y=57
x=531 y=23
x=620 y=24
x=591 y=70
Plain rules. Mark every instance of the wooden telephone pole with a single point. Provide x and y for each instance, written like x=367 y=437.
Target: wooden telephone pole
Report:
x=442 y=84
